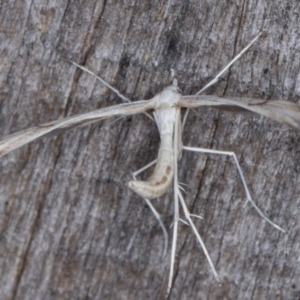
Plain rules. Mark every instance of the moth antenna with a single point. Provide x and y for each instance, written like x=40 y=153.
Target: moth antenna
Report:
x=107 y=85
x=102 y=80
x=217 y=77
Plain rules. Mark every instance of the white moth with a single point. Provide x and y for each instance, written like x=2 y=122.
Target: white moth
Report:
x=166 y=107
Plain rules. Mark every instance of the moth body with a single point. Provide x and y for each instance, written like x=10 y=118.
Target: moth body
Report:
x=165 y=116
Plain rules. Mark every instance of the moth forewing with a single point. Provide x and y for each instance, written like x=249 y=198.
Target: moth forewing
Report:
x=281 y=111
x=16 y=140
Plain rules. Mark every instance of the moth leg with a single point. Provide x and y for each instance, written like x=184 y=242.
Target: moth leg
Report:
x=249 y=198
x=154 y=211
x=177 y=139
x=188 y=216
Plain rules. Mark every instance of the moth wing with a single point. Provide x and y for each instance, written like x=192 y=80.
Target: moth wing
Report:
x=282 y=111
x=18 y=139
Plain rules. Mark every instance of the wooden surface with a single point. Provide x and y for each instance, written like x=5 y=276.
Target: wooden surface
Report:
x=70 y=228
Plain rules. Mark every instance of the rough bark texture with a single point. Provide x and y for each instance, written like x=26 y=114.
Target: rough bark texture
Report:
x=70 y=226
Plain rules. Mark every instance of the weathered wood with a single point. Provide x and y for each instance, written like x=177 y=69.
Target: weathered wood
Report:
x=70 y=226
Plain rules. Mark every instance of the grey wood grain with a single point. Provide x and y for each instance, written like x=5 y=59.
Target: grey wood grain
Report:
x=70 y=226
